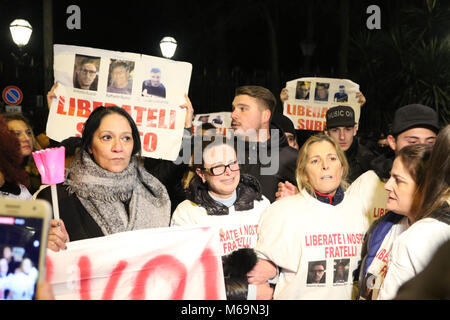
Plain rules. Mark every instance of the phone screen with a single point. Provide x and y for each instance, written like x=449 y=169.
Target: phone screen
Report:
x=19 y=257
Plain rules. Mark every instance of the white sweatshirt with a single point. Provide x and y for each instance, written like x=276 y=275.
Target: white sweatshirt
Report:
x=412 y=252
x=298 y=231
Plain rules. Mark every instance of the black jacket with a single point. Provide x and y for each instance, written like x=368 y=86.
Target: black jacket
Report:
x=359 y=158
x=382 y=165
x=257 y=157
x=248 y=190
x=78 y=222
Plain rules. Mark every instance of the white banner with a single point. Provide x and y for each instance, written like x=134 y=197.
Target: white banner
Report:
x=150 y=88
x=310 y=98
x=165 y=263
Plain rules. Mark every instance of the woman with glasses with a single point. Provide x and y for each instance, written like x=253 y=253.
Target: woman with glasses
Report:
x=220 y=196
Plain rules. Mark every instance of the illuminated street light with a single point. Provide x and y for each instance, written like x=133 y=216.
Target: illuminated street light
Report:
x=168 y=46
x=21 y=32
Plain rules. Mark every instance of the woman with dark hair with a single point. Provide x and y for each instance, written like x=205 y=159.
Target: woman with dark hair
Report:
x=430 y=223
x=21 y=127
x=106 y=189
x=407 y=173
x=13 y=178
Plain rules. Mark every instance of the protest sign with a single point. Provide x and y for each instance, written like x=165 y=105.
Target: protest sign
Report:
x=221 y=120
x=150 y=89
x=165 y=263
x=310 y=98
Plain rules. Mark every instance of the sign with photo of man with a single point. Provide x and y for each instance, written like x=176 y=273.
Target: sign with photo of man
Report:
x=310 y=98
x=88 y=78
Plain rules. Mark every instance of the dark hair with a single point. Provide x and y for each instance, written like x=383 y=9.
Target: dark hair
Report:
x=414 y=158
x=262 y=94
x=94 y=120
x=11 y=157
x=435 y=188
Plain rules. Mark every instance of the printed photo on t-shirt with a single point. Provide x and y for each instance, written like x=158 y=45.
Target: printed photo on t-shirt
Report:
x=341 y=271
x=316 y=272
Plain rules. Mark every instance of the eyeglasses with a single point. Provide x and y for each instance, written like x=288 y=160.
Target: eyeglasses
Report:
x=220 y=169
x=318 y=271
x=91 y=72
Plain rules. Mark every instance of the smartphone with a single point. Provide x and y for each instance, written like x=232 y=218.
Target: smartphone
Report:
x=24 y=228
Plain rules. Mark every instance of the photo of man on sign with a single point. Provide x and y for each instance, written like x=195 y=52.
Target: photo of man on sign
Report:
x=85 y=72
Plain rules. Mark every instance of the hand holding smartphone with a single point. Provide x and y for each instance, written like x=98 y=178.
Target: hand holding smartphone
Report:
x=24 y=228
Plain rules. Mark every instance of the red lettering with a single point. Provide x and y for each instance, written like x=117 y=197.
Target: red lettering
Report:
x=127 y=108
x=71 y=107
x=113 y=280
x=318 y=126
x=162 y=118
x=140 y=112
x=61 y=103
x=96 y=104
x=80 y=127
x=308 y=112
x=85 y=275
x=151 y=117
x=150 y=142
x=288 y=110
x=172 y=119
x=49 y=269
x=301 y=124
x=83 y=108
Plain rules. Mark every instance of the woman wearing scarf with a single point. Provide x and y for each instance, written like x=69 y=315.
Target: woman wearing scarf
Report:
x=311 y=235
x=106 y=189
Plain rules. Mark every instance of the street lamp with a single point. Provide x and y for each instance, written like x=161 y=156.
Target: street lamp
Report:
x=21 y=32
x=168 y=46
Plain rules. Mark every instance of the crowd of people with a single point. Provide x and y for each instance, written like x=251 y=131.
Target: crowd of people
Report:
x=331 y=212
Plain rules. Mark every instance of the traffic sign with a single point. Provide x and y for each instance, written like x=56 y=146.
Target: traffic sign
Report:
x=12 y=95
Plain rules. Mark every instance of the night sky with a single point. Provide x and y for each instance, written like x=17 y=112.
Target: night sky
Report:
x=227 y=42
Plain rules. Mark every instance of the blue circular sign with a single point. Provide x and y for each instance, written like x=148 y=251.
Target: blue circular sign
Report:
x=12 y=95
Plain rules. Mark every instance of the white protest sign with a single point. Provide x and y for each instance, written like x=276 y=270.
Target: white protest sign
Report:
x=150 y=89
x=164 y=263
x=310 y=98
x=221 y=120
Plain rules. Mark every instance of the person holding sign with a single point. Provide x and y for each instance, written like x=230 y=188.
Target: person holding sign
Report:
x=107 y=190
x=321 y=223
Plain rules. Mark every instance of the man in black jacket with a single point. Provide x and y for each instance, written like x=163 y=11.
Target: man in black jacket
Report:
x=262 y=148
x=341 y=126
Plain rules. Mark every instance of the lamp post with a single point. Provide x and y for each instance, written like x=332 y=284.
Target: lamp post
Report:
x=168 y=46
x=21 y=32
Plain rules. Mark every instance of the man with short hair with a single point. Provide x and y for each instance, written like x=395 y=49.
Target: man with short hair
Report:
x=412 y=124
x=86 y=75
x=153 y=86
x=341 y=126
x=253 y=107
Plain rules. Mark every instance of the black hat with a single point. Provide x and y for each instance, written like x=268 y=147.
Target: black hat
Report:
x=340 y=116
x=414 y=115
x=284 y=123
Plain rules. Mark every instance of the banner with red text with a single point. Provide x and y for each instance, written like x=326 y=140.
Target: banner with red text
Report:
x=150 y=89
x=310 y=98
x=178 y=263
x=220 y=120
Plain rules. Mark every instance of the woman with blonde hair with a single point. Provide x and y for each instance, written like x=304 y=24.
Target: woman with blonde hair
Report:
x=320 y=225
